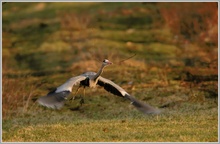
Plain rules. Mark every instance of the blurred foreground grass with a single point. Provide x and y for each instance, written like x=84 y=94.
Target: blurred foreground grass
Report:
x=174 y=69
x=128 y=127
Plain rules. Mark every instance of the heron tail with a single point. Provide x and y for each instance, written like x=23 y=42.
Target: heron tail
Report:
x=143 y=107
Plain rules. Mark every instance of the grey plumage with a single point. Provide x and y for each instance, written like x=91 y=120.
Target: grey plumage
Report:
x=56 y=98
x=117 y=90
x=143 y=107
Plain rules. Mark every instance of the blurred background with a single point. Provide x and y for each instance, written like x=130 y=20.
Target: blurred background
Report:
x=175 y=47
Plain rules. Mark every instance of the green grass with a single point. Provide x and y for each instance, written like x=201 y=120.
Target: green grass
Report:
x=125 y=127
x=44 y=44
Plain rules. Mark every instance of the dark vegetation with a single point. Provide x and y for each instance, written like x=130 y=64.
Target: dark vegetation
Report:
x=175 y=67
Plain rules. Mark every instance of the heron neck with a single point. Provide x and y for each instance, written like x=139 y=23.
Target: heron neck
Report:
x=99 y=73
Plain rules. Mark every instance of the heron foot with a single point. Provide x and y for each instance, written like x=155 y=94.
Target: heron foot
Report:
x=82 y=101
x=72 y=98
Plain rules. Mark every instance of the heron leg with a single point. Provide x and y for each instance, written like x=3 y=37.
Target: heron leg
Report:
x=75 y=93
x=82 y=99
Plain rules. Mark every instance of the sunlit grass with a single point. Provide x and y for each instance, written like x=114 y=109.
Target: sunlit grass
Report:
x=174 y=127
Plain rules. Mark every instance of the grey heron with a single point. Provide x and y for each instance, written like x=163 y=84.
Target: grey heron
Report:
x=56 y=98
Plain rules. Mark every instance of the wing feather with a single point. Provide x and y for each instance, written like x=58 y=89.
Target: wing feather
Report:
x=111 y=87
x=115 y=89
x=68 y=85
x=55 y=99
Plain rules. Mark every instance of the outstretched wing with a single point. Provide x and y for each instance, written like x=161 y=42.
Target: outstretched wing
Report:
x=55 y=99
x=115 y=89
x=111 y=87
x=68 y=85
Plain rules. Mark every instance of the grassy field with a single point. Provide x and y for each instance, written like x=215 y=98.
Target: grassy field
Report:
x=175 y=68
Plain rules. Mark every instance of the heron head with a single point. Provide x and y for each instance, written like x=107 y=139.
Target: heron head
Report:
x=106 y=62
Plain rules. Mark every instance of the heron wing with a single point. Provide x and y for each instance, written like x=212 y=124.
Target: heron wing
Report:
x=111 y=87
x=68 y=85
x=115 y=89
x=55 y=99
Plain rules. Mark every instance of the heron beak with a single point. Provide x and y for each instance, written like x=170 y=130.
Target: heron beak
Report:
x=110 y=63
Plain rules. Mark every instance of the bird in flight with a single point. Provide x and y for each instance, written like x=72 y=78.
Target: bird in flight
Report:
x=56 y=98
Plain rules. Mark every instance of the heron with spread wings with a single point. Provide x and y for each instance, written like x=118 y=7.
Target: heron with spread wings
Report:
x=56 y=98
